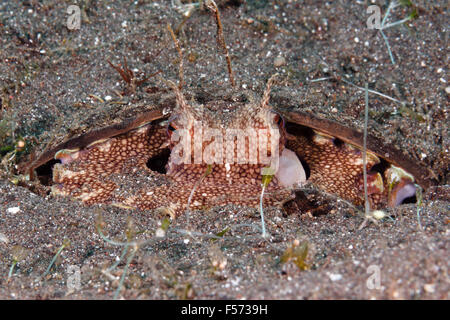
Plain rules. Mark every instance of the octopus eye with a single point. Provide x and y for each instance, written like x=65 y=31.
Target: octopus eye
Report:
x=278 y=119
x=171 y=127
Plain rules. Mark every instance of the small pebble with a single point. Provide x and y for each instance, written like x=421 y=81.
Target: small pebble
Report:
x=279 y=61
x=335 y=276
x=447 y=90
x=20 y=144
x=13 y=210
x=378 y=214
x=160 y=233
x=429 y=288
x=3 y=238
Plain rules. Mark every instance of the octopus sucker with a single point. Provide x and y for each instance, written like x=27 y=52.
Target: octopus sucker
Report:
x=401 y=185
x=375 y=183
x=291 y=172
x=67 y=156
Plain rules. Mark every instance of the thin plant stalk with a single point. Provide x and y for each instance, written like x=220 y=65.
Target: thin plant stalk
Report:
x=263 y=225
x=124 y=252
x=12 y=268
x=54 y=258
x=366 y=120
x=125 y=270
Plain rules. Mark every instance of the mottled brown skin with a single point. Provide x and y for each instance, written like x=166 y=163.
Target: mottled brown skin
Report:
x=114 y=170
x=335 y=169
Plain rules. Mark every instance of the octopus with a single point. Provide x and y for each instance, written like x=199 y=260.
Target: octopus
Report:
x=203 y=155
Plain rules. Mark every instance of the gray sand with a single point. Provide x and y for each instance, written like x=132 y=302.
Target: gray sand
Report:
x=51 y=77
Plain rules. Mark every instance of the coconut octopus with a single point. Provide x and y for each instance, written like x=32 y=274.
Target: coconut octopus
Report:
x=217 y=153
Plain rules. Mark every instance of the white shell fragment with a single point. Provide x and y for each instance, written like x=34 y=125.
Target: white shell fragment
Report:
x=13 y=210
